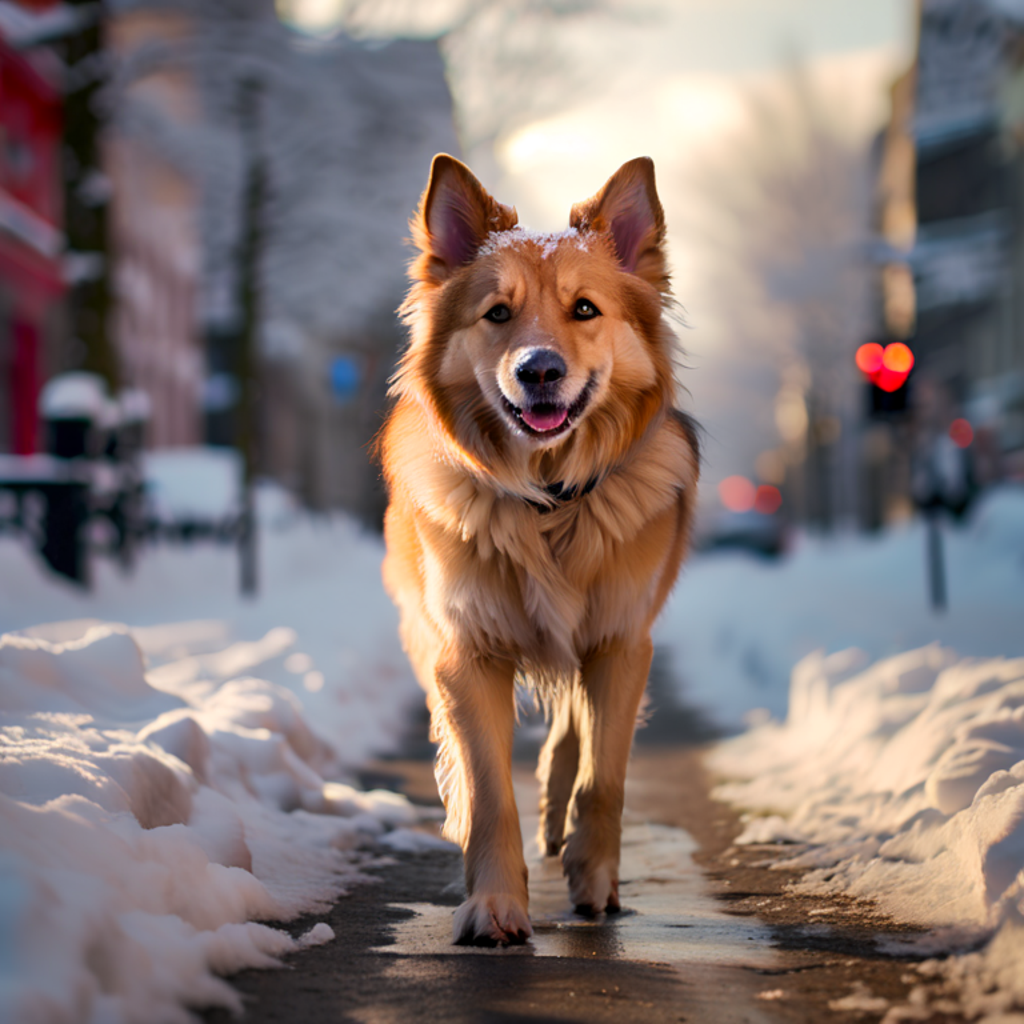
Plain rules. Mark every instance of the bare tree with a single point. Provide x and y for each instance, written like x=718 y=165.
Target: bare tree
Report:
x=511 y=62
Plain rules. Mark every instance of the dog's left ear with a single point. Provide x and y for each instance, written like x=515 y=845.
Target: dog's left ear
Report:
x=628 y=208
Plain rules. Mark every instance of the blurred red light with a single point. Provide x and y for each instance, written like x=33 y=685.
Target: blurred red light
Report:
x=889 y=380
x=869 y=358
x=886 y=368
x=768 y=499
x=737 y=493
x=961 y=433
x=898 y=358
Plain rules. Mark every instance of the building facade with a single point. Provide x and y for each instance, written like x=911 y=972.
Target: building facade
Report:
x=950 y=255
x=32 y=322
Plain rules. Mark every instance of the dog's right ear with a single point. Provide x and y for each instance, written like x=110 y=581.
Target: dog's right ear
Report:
x=455 y=215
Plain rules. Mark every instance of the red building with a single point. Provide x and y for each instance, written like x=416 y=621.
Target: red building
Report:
x=31 y=239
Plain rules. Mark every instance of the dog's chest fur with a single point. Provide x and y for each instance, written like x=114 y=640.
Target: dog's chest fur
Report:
x=544 y=588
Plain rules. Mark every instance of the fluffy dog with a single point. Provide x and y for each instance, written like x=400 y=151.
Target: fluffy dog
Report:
x=541 y=489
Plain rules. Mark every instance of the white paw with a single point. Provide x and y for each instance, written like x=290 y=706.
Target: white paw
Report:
x=594 y=888
x=491 y=919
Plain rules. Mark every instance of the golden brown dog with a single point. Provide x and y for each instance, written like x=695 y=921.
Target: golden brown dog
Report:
x=541 y=489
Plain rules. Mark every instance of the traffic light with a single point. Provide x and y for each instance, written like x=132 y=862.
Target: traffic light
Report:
x=887 y=370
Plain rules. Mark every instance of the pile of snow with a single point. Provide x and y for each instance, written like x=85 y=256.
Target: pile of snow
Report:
x=147 y=821
x=320 y=626
x=202 y=484
x=903 y=783
x=76 y=395
x=166 y=784
x=737 y=624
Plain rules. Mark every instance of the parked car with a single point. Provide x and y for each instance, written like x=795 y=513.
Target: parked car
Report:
x=763 y=533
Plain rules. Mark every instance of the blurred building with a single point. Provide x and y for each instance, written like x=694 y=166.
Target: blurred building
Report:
x=32 y=335
x=344 y=133
x=154 y=211
x=340 y=134
x=950 y=215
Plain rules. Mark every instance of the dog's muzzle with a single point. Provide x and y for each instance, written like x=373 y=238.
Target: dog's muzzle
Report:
x=544 y=412
x=539 y=373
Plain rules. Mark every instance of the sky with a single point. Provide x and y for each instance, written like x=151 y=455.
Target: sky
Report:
x=676 y=80
x=678 y=86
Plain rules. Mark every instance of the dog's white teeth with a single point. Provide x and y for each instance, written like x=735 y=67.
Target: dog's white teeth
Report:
x=546 y=420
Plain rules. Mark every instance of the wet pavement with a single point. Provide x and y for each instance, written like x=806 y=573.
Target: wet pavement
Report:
x=671 y=956
x=668 y=916
x=696 y=941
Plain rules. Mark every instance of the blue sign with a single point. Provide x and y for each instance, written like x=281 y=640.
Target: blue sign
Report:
x=346 y=376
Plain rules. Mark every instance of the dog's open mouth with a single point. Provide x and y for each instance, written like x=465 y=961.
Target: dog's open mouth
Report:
x=549 y=419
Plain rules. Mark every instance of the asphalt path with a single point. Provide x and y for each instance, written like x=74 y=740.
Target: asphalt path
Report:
x=708 y=934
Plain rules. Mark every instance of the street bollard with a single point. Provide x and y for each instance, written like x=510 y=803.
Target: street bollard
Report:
x=936 y=562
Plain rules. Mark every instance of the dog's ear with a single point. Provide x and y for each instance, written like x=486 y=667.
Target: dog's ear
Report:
x=628 y=208
x=454 y=217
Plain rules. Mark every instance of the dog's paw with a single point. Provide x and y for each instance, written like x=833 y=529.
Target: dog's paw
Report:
x=491 y=919
x=593 y=888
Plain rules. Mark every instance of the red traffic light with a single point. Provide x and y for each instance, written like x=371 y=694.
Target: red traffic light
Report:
x=887 y=368
x=869 y=358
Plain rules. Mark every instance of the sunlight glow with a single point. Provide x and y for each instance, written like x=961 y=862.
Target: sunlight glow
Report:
x=316 y=17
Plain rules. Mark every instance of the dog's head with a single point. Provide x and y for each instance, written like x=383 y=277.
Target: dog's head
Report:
x=526 y=342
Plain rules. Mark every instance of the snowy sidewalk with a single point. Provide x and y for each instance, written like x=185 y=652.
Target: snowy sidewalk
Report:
x=902 y=783
x=146 y=823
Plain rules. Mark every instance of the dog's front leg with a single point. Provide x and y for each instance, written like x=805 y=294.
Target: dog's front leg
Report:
x=473 y=723
x=605 y=705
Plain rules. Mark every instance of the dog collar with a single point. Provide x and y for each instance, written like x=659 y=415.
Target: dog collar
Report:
x=563 y=494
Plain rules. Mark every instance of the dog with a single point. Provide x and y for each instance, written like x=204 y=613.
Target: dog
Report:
x=541 y=488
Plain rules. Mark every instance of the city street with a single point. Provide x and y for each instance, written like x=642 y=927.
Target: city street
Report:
x=360 y=357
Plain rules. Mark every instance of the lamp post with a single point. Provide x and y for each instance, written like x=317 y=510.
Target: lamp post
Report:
x=249 y=294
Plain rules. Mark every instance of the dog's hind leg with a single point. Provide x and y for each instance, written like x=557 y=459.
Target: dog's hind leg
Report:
x=473 y=721
x=556 y=771
x=605 y=704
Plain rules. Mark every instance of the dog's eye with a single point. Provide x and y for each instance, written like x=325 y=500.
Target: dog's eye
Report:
x=499 y=314
x=585 y=310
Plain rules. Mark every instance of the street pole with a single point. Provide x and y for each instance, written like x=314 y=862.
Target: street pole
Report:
x=248 y=272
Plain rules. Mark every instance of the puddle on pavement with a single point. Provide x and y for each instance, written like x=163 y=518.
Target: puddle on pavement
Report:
x=668 y=916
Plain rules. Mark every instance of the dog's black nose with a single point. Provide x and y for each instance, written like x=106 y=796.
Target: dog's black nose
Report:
x=540 y=366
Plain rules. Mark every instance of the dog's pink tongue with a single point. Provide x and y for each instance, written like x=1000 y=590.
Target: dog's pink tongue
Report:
x=545 y=419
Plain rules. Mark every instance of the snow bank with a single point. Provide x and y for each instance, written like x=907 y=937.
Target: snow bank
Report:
x=902 y=782
x=74 y=395
x=737 y=624
x=147 y=823
x=320 y=627
x=193 y=483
